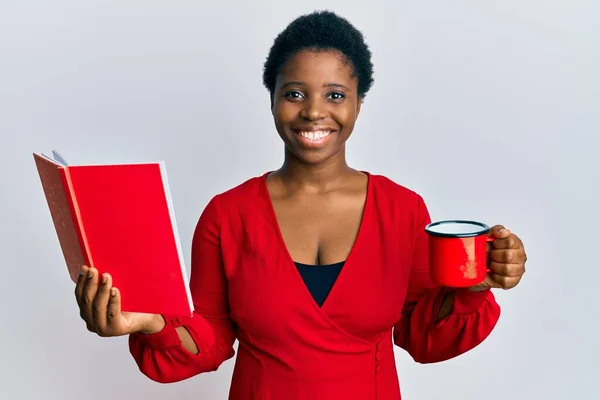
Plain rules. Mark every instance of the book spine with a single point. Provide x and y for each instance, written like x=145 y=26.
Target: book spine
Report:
x=76 y=215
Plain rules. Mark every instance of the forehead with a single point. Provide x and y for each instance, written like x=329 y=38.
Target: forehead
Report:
x=318 y=67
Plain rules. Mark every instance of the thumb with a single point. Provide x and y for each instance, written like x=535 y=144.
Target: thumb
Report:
x=488 y=283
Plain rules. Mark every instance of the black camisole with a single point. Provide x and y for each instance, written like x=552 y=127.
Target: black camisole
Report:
x=319 y=279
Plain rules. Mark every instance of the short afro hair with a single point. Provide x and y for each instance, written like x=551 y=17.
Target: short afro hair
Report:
x=321 y=31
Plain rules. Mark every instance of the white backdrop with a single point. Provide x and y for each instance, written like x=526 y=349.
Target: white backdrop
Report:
x=488 y=109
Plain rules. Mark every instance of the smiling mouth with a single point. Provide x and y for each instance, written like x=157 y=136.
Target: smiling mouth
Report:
x=314 y=136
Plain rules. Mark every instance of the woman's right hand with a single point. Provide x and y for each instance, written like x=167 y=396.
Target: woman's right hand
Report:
x=100 y=307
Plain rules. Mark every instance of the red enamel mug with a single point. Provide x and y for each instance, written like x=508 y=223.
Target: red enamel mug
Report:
x=458 y=252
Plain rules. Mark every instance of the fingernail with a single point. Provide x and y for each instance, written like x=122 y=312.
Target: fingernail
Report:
x=104 y=278
x=502 y=230
x=113 y=292
x=89 y=275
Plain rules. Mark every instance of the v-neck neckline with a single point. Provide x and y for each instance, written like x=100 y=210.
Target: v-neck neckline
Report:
x=290 y=261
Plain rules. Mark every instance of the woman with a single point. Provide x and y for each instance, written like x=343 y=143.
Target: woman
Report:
x=317 y=269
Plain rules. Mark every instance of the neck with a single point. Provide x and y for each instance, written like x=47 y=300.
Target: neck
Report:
x=314 y=177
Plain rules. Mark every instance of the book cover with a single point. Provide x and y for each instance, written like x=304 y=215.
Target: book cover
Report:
x=120 y=219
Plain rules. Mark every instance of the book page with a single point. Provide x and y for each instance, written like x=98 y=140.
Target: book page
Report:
x=59 y=158
x=56 y=158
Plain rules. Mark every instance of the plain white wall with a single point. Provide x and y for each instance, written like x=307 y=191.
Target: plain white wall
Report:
x=488 y=109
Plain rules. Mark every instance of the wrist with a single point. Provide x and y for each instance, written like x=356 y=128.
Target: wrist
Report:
x=478 y=288
x=154 y=324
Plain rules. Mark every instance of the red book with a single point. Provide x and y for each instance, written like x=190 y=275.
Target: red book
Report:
x=119 y=219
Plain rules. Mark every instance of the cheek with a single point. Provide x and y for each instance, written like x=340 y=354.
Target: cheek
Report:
x=284 y=112
x=346 y=116
x=283 y=115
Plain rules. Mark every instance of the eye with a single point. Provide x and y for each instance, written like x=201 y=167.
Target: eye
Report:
x=293 y=95
x=336 y=96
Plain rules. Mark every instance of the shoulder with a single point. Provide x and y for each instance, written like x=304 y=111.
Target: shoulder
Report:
x=250 y=187
x=397 y=201
x=236 y=200
x=249 y=192
x=386 y=189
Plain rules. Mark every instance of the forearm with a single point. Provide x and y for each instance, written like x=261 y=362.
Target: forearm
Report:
x=181 y=348
x=446 y=323
x=158 y=323
x=186 y=340
x=447 y=305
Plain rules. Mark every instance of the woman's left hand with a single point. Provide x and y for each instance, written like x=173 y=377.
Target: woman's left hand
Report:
x=506 y=260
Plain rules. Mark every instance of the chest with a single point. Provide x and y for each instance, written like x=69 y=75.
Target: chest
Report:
x=270 y=301
x=319 y=229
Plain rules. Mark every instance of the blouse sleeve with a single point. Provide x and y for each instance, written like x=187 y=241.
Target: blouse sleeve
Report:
x=161 y=356
x=473 y=317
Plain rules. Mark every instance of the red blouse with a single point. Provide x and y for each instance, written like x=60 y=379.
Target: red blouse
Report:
x=245 y=286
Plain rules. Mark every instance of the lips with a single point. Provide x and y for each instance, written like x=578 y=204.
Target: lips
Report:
x=314 y=135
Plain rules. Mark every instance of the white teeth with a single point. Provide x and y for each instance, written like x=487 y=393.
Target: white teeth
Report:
x=314 y=135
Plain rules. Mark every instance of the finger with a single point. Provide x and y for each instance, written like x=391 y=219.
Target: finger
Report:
x=508 y=256
x=113 y=311
x=510 y=242
x=101 y=303
x=505 y=282
x=79 y=285
x=90 y=288
x=504 y=269
x=499 y=232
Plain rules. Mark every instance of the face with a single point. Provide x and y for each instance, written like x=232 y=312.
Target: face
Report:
x=315 y=105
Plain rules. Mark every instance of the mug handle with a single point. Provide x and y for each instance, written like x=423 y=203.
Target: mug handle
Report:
x=489 y=239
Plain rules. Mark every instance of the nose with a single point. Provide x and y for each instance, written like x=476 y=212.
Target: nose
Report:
x=313 y=110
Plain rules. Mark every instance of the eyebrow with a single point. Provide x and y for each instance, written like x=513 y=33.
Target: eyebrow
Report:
x=298 y=83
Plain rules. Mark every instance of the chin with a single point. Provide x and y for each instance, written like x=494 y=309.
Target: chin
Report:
x=313 y=157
